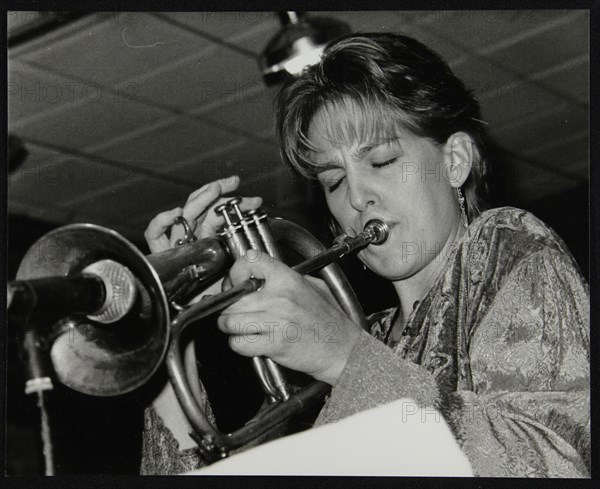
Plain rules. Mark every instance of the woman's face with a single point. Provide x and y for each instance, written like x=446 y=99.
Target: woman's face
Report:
x=402 y=181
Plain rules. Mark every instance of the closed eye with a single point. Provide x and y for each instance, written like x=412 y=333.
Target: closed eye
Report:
x=332 y=188
x=331 y=180
x=384 y=163
x=331 y=183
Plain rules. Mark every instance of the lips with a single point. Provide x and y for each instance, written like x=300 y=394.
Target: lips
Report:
x=391 y=224
x=364 y=222
x=374 y=247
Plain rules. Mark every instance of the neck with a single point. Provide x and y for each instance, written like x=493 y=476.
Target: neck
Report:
x=415 y=287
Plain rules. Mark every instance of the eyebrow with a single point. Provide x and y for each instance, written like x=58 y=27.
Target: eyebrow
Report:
x=358 y=154
x=363 y=150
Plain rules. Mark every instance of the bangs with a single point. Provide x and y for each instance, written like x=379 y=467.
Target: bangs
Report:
x=351 y=122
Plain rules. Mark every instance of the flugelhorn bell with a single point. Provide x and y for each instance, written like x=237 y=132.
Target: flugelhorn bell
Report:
x=89 y=353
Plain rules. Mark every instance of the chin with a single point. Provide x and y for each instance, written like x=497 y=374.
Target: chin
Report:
x=387 y=267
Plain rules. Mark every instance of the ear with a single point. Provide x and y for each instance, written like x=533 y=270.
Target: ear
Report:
x=459 y=152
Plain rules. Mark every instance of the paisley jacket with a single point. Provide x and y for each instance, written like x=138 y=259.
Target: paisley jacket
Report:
x=500 y=345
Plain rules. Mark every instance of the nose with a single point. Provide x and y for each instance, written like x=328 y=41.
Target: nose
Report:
x=361 y=192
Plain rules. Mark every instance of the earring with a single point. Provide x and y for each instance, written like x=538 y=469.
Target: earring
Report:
x=463 y=209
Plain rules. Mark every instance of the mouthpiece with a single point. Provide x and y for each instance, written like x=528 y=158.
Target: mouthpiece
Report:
x=377 y=230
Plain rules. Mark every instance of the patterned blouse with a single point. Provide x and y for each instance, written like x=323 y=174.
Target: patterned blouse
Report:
x=499 y=345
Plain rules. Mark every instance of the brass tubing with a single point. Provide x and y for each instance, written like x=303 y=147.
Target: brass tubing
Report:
x=239 y=241
x=249 y=227
x=211 y=441
x=262 y=227
x=262 y=372
x=271 y=417
x=277 y=378
x=208 y=254
x=272 y=380
x=254 y=219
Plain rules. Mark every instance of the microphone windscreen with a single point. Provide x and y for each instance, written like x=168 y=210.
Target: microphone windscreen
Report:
x=120 y=287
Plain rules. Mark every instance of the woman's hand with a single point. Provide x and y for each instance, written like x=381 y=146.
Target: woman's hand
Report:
x=199 y=213
x=293 y=319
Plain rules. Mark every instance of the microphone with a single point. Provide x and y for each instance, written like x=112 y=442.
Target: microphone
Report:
x=89 y=310
x=105 y=291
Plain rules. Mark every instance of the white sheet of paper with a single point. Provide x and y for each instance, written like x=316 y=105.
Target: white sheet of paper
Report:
x=396 y=439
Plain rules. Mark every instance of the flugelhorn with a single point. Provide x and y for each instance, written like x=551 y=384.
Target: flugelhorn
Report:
x=107 y=315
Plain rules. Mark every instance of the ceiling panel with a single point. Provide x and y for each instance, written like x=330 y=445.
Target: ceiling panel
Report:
x=563 y=152
x=567 y=38
x=246 y=158
x=483 y=29
x=552 y=26
x=253 y=113
x=115 y=48
x=570 y=78
x=50 y=178
x=452 y=53
x=256 y=36
x=533 y=132
x=375 y=21
x=516 y=101
x=175 y=140
x=213 y=78
x=368 y=21
x=494 y=87
x=93 y=118
x=119 y=204
x=74 y=28
x=32 y=92
x=248 y=30
x=182 y=100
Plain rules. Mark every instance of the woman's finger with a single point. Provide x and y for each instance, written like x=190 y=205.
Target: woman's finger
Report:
x=228 y=184
x=248 y=336
x=199 y=200
x=198 y=212
x=198 y=203
x=155 y=232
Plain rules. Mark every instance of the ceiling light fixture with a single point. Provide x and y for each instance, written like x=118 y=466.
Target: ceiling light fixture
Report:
x=299 y=44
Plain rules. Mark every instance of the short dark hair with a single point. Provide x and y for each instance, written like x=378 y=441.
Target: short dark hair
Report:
x=403 y=82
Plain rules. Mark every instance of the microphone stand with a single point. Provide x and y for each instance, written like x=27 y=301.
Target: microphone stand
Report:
x=38 y=381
